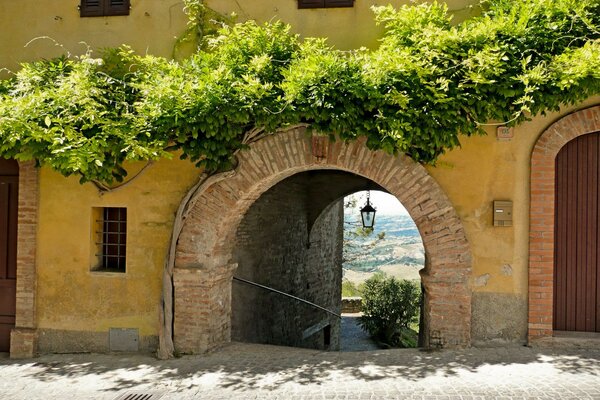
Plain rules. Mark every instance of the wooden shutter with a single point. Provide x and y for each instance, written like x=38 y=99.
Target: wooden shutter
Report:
x=117 y=7
x=325 y=3
x=339 y=3
x=100 y=8
x=91 y=8
x=311 y=3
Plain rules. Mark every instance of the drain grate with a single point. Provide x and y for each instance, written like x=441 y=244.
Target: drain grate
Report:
x=139 y=396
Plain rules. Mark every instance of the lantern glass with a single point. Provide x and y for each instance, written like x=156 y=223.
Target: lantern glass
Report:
x=367 y=214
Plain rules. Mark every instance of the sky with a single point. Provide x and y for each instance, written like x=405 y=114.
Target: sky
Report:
x=384 y=203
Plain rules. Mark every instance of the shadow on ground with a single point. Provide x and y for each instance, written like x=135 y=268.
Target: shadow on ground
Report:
x=241 y=367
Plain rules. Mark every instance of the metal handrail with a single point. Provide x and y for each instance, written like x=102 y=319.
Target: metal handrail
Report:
x=286 y=294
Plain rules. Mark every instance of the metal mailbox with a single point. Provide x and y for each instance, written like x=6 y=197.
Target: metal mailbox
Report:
x=503 y=213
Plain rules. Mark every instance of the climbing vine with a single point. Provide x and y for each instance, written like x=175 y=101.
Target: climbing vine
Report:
x=427 y=83
x=202 y=22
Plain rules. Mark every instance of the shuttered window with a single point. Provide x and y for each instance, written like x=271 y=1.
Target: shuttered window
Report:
x=325 y=3
x=102 y=8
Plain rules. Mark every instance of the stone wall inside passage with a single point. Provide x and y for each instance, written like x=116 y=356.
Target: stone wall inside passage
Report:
x=276 y=246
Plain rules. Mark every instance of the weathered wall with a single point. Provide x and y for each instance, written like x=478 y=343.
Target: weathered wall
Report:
x=75 y=304
x=71 y=298
x=275 y=248
x=32 y=30
x=154 y=25
x=339 y=25
x=485 y=169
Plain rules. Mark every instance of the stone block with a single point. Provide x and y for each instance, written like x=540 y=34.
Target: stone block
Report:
x=23 y=343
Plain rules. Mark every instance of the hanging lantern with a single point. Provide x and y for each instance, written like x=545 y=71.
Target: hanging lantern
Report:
x=367 y=213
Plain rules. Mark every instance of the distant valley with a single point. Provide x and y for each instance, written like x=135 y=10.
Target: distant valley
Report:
x=394 y=248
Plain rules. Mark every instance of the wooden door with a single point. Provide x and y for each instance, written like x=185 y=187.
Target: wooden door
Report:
x=576 y=249
x=9 y=186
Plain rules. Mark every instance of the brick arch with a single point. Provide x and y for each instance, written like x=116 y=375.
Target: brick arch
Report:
x=203 y=268
x=541 y=231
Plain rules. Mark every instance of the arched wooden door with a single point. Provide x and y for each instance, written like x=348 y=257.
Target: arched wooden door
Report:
x=9 y=194
x=576 y=250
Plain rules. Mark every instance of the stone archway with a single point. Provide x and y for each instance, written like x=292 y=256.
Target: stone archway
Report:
x=541 y=231
x=203 y=269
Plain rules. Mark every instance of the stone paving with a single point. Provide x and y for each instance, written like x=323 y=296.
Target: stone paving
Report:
x=353 y=337
x=244 y=371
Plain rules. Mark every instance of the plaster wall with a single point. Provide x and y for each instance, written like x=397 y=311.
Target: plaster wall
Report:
x=339 y=25
x=30 y=31
x=482 y=170
x=72 y=298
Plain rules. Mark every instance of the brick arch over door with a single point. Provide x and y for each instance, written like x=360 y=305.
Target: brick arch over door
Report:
x=541 y=231
x=203 y=269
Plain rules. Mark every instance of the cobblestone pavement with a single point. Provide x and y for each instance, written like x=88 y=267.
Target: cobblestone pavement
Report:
x=243 y=371
x=353 y=337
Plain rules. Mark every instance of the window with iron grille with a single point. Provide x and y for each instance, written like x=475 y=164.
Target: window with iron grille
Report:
x=111 y=239
x=325 y=3
x=103 y=8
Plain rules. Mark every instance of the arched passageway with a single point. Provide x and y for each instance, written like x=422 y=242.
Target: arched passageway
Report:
x=291 y=239
x=205 y=263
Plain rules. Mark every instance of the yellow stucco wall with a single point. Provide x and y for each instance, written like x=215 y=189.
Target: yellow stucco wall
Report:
x=31 y=31
x=151 y=27
x=71 y=297
x=485 y=169
x=345 y=28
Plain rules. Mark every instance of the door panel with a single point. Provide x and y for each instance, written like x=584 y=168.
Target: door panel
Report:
x=576 y=266
x=8 y=249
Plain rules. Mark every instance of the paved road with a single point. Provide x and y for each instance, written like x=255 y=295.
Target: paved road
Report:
x=242 y=371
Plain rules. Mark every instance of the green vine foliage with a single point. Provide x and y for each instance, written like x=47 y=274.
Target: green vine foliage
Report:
x=202 y=22
x=427 y=83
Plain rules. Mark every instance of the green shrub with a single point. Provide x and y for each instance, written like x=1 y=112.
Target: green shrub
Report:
x=349 y=289
x=390 y=307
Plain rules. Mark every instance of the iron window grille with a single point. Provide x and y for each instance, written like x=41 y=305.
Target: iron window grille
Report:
x=325 y=3
x=104 y=8
x=112 y=243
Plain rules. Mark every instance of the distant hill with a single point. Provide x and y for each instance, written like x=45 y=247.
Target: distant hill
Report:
x=401 y=245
